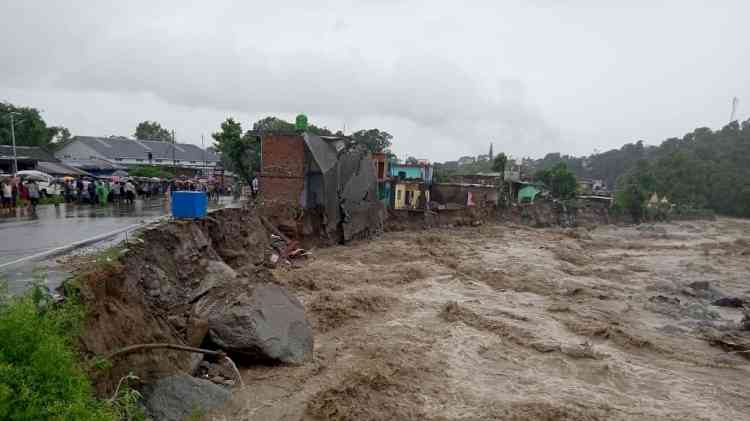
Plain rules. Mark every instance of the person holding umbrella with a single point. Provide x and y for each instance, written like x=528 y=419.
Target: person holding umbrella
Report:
x=33 y=189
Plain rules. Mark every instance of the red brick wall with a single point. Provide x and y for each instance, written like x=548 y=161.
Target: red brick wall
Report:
x=283 y=169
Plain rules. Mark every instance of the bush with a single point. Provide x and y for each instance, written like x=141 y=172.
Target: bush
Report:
x=40 y=378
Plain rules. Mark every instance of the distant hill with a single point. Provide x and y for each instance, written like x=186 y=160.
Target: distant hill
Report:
x=704 y=168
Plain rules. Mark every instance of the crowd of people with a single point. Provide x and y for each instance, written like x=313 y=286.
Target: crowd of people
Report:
x=17 y=193
x=26 y=194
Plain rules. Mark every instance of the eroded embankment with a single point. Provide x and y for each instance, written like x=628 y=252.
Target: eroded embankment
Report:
x=189 y=283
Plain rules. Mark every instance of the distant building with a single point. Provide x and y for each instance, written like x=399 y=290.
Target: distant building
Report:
x=466 y=160
x=483 y=158
x=411 y=185
x=35 y=158
x=112 y=152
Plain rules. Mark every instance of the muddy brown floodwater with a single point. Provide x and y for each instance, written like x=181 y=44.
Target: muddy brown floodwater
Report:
x=512 y=323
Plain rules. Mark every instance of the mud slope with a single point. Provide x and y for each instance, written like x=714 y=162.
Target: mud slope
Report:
x=510 y=323
x=148 y=295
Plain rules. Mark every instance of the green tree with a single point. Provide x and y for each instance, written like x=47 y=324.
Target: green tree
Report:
x=498 y=164
x=411 y=161
x=59 y=135
x=560 y=180
x=273 y=124
x=151 y=130
x=29 y=126
x=241 y=152
x=373 y=139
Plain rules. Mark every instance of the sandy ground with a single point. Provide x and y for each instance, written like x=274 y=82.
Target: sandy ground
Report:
x=512 y=323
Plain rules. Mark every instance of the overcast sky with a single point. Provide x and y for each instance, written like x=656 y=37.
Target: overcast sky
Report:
x=446 y=78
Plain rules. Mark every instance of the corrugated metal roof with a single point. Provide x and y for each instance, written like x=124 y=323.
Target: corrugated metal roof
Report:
x=34 y=153
x=120 y=147
x=58 y=168
x=93 y=164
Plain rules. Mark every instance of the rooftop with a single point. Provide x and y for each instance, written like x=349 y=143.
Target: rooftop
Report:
x=121 y=147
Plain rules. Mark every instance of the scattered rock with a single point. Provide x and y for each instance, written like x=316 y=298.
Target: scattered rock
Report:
x=729 y=302
x=177 y=397
x=664 y=299
x=700 y=312
x=704 y=290
x=258 y=320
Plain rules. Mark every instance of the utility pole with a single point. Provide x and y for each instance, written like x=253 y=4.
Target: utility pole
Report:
x=174 y=162
x=13 y=138
x=205 y=164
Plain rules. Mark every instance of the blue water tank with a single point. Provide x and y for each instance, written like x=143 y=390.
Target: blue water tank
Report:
x=189 y=204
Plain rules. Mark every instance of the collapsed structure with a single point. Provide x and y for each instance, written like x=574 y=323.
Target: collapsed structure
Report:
x=323 y=186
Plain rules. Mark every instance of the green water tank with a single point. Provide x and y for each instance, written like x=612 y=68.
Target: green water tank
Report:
x=301 y=122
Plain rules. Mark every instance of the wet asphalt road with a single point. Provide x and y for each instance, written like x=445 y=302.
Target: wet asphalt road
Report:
x=23 y=235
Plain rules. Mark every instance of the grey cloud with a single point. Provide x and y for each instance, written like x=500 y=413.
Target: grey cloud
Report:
x=445 y=78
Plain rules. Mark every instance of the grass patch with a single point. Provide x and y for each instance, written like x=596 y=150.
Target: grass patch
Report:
x=41 y=376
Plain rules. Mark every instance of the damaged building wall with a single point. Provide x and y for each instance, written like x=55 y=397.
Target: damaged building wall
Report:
x=363 y=212
x=330 y=181
x=452 y=193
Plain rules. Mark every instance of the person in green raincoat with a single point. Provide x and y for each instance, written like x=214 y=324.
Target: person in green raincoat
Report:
x=102 y=191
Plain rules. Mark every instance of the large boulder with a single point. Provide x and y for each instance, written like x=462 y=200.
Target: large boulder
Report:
x=178 y=397
x=260 y=320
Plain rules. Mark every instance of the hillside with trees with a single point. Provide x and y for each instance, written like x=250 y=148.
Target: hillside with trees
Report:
x=703 y=169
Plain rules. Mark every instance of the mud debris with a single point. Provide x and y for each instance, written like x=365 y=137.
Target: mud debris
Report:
x=506 y=322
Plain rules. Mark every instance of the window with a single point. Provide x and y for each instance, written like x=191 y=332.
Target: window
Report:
x=398 y=195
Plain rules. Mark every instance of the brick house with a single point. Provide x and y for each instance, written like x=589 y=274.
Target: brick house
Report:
x=327 y=184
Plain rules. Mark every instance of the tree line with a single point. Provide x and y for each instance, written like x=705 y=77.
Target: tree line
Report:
x=704 y=169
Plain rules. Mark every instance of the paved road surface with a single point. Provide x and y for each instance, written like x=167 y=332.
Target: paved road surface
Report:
x=24 y=235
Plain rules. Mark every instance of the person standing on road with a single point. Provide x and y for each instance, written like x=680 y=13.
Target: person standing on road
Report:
x=33 y=194
x=79 y=190
x=101 y=192
x=92 y=192
x=130 y=192
x=7 y=195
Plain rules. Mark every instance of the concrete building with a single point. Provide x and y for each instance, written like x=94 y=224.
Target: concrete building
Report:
x=411 y=185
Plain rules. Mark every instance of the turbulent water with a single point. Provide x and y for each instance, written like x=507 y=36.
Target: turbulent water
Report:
x=512 y=323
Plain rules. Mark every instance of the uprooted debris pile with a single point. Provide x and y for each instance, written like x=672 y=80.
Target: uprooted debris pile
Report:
x=197 y=283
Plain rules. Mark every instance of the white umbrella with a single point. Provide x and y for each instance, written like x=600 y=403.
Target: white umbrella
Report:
x=34 y=175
